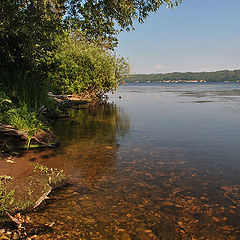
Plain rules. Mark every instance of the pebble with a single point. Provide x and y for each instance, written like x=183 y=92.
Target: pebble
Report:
x=10 y=161
x=167 y=204
x=139 y=229
x=143 y=236
x=125 y=236
x=215 y=219
x=15 y=236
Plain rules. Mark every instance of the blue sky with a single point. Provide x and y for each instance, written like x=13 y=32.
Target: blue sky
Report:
x=199 y=35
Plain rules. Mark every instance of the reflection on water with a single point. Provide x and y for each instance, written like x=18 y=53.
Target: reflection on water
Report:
x=89 y=143
x=162 y=162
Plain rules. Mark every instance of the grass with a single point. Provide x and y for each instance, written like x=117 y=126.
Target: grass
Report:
x=21 y=98
x=23 y=119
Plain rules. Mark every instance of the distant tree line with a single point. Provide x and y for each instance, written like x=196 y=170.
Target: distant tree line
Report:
x=219 y=76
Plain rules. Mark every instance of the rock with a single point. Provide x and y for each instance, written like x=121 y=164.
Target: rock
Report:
x=143 y=236
x=101 y=218
x=15 y=236
x=88 y=220
x=167 y=204
x=125 y=236
x=215 y=219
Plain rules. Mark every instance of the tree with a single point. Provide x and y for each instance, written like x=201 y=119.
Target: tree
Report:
x=28 y=26
x=84 y=67
x=28 y=29
x=104 y=19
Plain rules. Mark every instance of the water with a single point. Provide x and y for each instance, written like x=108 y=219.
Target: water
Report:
x=161 y=162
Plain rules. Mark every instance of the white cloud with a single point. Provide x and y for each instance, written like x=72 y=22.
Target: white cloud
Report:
x=158 y=67
x=204 y=69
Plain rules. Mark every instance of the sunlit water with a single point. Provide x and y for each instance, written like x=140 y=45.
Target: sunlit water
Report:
x=161 y=162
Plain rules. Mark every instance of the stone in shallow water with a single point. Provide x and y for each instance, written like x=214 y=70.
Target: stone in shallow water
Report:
x=15 y=236
x=88 y=220
x=143 y=236
x=167 y=204
x=125 y=236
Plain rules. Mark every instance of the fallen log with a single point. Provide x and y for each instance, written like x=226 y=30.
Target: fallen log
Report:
x=12 y=131
x=11 y=138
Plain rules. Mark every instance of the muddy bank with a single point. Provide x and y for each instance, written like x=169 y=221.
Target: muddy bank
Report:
x=25 y=185
x=22 y=194
x=26 y=191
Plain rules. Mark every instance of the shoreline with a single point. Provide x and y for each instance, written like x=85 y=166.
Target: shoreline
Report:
x=25 y=187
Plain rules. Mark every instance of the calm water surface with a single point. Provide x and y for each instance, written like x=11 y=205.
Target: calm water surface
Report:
x=162 y=162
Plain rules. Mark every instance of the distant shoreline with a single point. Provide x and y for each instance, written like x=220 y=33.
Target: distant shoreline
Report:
x=191 y=77
x=182 y=81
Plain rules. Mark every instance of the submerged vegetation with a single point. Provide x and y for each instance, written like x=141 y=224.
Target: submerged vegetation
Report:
x=23 y=194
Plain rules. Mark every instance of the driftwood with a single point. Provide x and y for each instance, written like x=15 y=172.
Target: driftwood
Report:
x=11 y=131
x=42 y=198
x=8 y=130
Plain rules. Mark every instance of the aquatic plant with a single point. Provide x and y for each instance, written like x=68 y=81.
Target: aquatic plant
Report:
x=53 y=176
x=6 y=198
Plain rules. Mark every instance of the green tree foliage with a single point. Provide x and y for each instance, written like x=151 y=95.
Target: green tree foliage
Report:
x=219 y=76
x=80 y=66
x=28 y=26
x=28 y=32
x=103 y=19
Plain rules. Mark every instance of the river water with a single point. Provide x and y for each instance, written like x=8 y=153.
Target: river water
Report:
x=158 y=161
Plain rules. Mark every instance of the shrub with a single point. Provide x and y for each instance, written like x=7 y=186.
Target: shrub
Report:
x=85 y=67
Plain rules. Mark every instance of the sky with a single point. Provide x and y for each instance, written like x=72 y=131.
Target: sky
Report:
x=199 y=35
